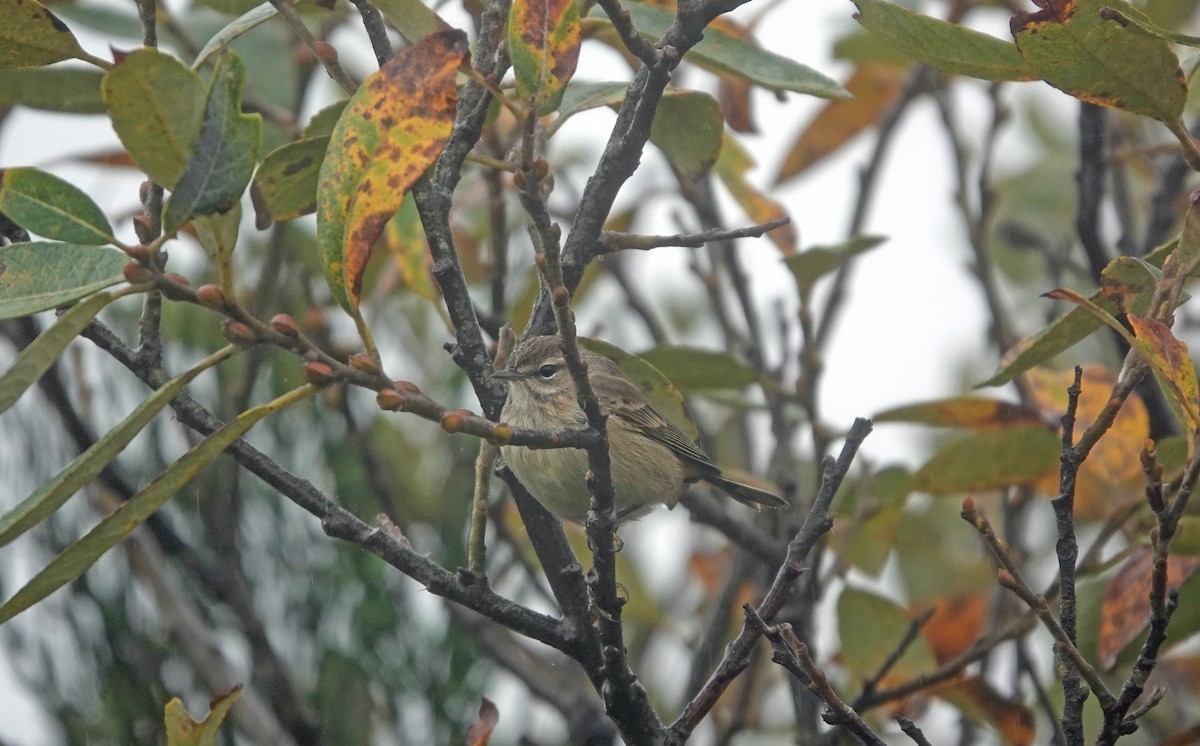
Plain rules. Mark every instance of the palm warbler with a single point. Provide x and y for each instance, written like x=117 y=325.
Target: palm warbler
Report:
x=652 y=459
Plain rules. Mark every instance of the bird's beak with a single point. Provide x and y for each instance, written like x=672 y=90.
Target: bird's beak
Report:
x=505 y=374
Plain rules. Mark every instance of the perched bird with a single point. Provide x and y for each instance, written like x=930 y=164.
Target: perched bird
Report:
x=652 y=459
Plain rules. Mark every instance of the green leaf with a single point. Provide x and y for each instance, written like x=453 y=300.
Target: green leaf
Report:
x=693 y=369
x=543 y=41
x=583 y=96
x=964 y=411
x=944 y=46
x=412 y=18
x=659 y=390
x=40 y=275
x=285 y=186
x=183 y=730
x=31 y=36
x=78 y=557
x=156 y=104
x=1074 y=49
x=40 y=354
x=989 y=459
x=1068 y=330
x=44 y=204
x=84 y=468
x=243 y=23
x=812 y=264
x=63 y=89
x=226 y=150
x=871 y=627
x=323 y=122
x=218 y=234
x=688 y=129
x=725 y=53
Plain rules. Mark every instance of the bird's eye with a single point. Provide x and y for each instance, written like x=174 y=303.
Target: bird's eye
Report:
x=547 y=371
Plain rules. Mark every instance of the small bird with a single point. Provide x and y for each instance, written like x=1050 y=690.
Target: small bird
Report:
x=652 y=459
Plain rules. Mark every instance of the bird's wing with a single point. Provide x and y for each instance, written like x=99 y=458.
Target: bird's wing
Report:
x=653 y=425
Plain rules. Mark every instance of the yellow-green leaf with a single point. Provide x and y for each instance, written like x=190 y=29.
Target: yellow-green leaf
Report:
x=44 y=204
x=40 y=275
x=183 y=730
x=944 y=46
x=964 y=411
x=220 y=166
x=406 y=241
x=31 y=36
x=988 y=459
x=693 y=369
x=871 y=627
x=543 y=41
x=689 y=130
x=52 y=494
x=78 y=557
x=812 y=264
x=64 y=89
x=285 y=186
x=1070 y=46
x=41 y=353
x=733 y=168
x=156 y=104
x=412 y=18
x=393 y=128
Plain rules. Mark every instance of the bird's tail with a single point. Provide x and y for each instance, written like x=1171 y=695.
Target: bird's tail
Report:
x=745 y=494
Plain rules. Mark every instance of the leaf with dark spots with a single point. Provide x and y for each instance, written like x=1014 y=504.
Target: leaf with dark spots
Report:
x=285 y=186
x=543 y=40
x=373 y=160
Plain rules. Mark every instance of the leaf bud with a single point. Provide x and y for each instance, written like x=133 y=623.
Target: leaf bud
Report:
x=211 y=296
x=325 y=52
x=174 y=286
x=137 y=273
x=406 y=387
x=391 y=400
x=452 y=422
x=318 y=373
x=143 y=228
x=285 y=325
x=238 y=333
x=366 y=363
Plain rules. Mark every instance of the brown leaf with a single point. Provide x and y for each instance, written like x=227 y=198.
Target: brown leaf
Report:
x=977 y=699
x=956 y=623
x=1124 y=611
x=875 y=85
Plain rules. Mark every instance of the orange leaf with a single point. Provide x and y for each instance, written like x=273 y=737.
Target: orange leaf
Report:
x=977 y=699
x=481 y=730
x=955 y=624
x=1172 y=365
x=733 y=167
x=1110 y=474
x=394 y=127
x=1124 y=611
x=875 y=85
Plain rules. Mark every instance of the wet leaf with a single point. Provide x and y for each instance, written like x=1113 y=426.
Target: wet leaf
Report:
x=661 y=393
x=964 y=411
x=412 y=18
x=812 y=264
x=1070 y=46
x=40 y=275
x=37 y=357
x=1172 y=366
x=393 y=128
x=733 y=167
x=481 y=730
x=183 y=730
x=226 y=150
x=31 y=36
x=405 y=239
x=156 y=104
x=723 y=52
x=44 y=204
x=1126 y=605
x=1125 y=277
x=285 y=186
x=944 y=46
x=1111 y=474
x=693 y=369
x=113 y=528
x=870 y=628
x=222 y=39
x=83 y=469
x=981 y=703
x=67 y=89
x=988 y=459
x=543 y=41
x=688 y=129
x=875 y=87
